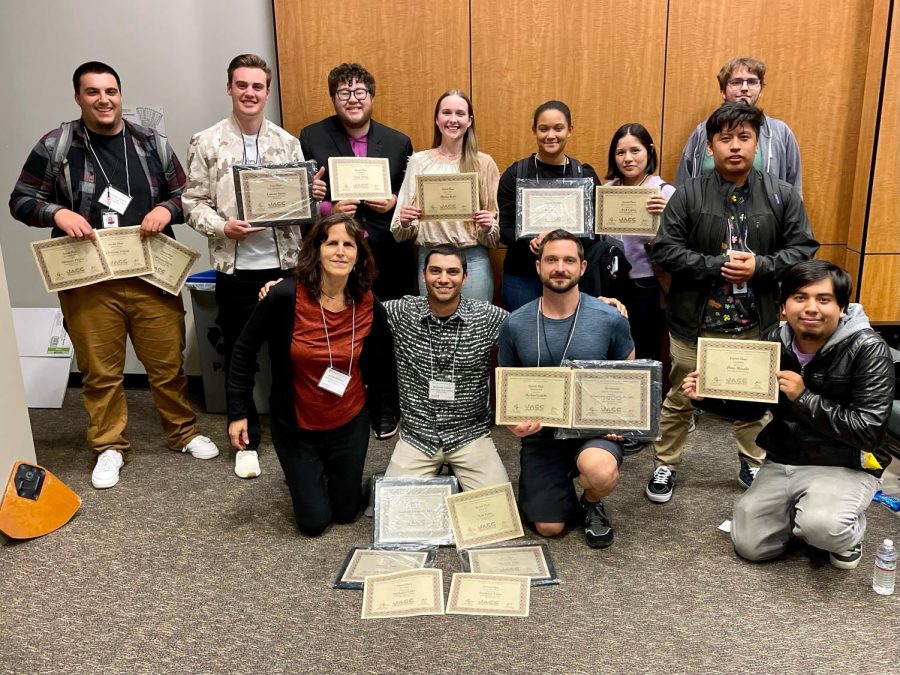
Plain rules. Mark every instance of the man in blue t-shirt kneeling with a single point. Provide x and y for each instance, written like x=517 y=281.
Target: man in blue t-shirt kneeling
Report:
x=565 y=324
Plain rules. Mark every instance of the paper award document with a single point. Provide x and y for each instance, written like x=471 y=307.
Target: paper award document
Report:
x=275 y=194
x=365 y=562
x=359 y=178
x=127 y=254
x=538 y=394
x=523 y=561
x=172 y=262
x=489 y=595
x=447 y=196
x=611 y=399
x=412 y=512
x=623 y=210
x=406 y=593
x=551 y=209
x=743 y=370
x=484 y=516
x=65 y=262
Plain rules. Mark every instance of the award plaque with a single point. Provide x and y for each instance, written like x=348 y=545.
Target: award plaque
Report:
x=447 y=196
x=623 y=210
x=364 y=562
x=527 y=560
x=612 y=399
x=412 y=511
x=743 y=370
x=275 y=194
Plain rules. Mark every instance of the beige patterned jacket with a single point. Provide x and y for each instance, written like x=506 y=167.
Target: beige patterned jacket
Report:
x=209 y=200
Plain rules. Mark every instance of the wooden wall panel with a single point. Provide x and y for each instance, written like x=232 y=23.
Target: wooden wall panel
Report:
x=879 y=290
x=883 y=233
x=605 y=60
x=851 y=264
x=415 y=51
x=816 y=61
x=836 y=253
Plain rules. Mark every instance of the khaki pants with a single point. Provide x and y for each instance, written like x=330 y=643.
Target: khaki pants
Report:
x=476 y=465
x=675 y=416
x=98 y=319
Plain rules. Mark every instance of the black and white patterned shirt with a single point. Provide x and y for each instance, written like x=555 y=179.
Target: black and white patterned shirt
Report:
x=456 y=348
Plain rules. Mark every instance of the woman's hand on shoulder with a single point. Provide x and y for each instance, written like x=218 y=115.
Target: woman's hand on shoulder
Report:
x=264 y=291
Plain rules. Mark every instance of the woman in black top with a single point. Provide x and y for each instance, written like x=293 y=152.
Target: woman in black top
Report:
x=552 y=127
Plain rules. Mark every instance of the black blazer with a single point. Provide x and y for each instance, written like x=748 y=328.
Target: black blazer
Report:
x=272 y=321
x=327 y=138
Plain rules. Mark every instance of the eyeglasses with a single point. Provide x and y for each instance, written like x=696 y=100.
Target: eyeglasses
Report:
x=359 y=94
x=738 y=83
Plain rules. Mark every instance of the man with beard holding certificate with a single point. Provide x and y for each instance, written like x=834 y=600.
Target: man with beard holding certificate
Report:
x=101 y=172
x=565 y=324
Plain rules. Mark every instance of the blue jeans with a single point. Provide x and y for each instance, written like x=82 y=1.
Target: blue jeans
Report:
x=518 y=291
x=480 y=282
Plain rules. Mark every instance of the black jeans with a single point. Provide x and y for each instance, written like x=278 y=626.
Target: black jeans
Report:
x=237 y=295
x=323 y=470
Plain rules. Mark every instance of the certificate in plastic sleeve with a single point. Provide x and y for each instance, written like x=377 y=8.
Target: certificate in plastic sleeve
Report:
x=484 y=516
x=66 y=262
x=127 y=254
x=365 y=561
x=612 y=399
x=359 y=178
x=406 y=593
x=623 y=210
x=489 y=595
x=447 y=196
x=534 y=394
x=743 y=370
x=172 y=262
x=551 y=209
x=532 y=560
x=413 y=511
x=275 y=194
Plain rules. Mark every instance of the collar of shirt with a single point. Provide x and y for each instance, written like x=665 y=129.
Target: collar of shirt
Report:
x=462 y=311
x=359 y=146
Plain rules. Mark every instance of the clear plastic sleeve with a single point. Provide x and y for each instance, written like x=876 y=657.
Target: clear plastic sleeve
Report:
x=562 y=203
x=615 y=397
x=530 y=559
x=269 y=195
x=364 y=561
x=412 y=511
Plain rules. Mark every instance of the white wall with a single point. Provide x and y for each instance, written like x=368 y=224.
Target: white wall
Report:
x=172 y=53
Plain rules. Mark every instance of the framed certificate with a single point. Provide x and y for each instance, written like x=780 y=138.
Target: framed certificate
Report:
x=406 y=593
x=66 y=262
x=172 y=262
x=364 y=562
x=551 y=209
x=529 y=560
x=359 y=178
x=412 y=511
x=275 y=194
x=539 y=394
x=623 y=210
x=447 y=196
x=127 y=254
x=489 y=595
x=743 y=370
x=484 y=516
x=612 y=399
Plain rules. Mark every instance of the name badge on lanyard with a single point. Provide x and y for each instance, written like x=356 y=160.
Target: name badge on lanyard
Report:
x=334 y=381
x=441 y=390
x=115 y=199
x=109 y=219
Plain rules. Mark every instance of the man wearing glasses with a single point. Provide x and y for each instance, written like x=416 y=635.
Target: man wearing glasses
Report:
x=351 y=131
x=743 y=79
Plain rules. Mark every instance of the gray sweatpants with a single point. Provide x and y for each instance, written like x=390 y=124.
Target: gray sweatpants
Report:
x=823 y=505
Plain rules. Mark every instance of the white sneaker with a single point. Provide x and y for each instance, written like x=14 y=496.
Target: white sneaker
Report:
x=246 y=464
x=106 y=470
x=201 y=447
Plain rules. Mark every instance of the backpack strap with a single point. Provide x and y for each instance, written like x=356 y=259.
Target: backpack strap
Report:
x=162 y=148
x=58 y=159
x=522 y=168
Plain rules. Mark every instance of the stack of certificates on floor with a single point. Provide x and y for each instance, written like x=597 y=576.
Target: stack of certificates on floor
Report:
x=413 y=517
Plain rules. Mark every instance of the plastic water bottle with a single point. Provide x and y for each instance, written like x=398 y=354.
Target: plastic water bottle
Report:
x=885 y=568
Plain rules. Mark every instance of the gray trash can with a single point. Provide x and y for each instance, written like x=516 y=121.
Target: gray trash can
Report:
x=212 y=347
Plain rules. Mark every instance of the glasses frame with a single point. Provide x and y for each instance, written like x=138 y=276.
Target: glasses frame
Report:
x=738 y=82
x=343 y=95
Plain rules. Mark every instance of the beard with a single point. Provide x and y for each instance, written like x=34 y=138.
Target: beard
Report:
x=560 y=288
x=353 y=123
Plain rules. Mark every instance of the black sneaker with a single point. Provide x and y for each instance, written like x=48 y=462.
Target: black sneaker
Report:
x=747 y=474
x=846 y=560
x=597 y=531
x=387 y=428
x=630 y=446
x=661 y=485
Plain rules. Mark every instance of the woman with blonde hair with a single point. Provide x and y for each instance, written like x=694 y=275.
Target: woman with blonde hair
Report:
x=453 y=150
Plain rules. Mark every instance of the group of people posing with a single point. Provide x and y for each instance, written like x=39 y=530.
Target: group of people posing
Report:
x=354 y=345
